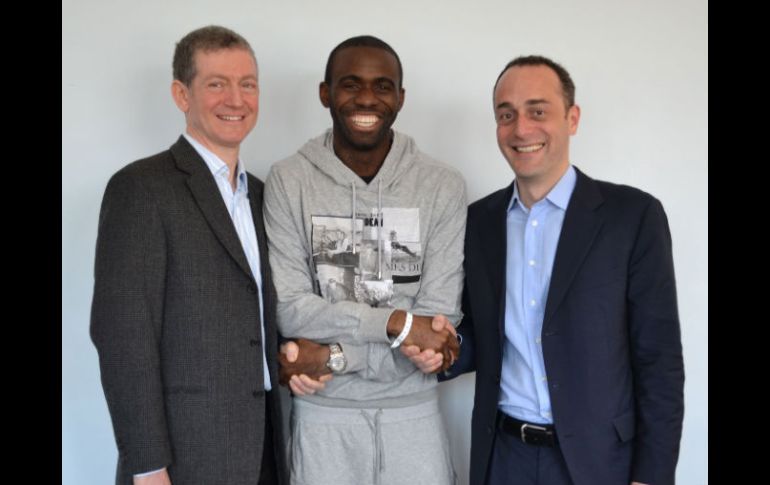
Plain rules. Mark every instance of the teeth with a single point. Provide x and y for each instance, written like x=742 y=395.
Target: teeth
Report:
x=530 y=148
x=364 y=120
x=231 y=118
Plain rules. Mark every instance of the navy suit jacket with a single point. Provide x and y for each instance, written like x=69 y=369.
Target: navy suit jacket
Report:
x=610 y=337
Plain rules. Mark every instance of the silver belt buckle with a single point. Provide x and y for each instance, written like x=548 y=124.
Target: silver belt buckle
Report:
x=527 y=425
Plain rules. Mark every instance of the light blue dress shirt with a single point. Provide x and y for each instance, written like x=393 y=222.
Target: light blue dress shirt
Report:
x=532 y=237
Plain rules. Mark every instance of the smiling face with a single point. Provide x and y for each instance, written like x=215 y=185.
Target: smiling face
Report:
x=533 y=124
x=222 y=101
x=364 y=97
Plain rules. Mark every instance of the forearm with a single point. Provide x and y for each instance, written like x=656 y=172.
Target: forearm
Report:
x=374 y=361
x=377 y=362
x=306 y=315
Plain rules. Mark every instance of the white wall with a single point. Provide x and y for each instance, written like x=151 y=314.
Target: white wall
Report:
x=641 y=75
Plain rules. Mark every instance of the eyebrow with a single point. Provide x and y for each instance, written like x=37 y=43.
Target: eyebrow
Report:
x=529 y=102
x=222 y=76
x=353 y=77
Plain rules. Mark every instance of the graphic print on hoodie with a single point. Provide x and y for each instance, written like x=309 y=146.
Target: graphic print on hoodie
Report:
x=360 y=258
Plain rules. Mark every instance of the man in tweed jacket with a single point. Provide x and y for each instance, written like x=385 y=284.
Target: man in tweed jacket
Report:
x=183 y=314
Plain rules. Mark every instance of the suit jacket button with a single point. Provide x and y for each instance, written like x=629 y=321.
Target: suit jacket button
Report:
x=252 y=288
x=253 y=342
x=489 y=429
x=255 y=393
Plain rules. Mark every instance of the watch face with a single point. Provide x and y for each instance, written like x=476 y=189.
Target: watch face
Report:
x=337 y=360
x=337 y=364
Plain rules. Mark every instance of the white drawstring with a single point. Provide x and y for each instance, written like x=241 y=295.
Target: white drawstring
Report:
x=379 y=226
x=353 y=218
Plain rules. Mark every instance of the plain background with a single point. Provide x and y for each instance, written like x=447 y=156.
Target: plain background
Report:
x=642 y=83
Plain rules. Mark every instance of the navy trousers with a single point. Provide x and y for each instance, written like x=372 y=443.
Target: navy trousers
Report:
x=517 y=463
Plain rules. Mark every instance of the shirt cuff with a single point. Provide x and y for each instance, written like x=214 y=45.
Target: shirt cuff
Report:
x=139 y=475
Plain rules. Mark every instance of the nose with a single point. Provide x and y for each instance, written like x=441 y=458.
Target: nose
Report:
x=234 y=96
x=522 y=127
x=365 y=97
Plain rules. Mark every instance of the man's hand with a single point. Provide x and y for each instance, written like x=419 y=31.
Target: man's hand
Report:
x=428 y=360
x=303 y=366
x=157 y=478
x=302 y=385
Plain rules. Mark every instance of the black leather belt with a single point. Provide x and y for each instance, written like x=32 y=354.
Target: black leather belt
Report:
x=529 y=433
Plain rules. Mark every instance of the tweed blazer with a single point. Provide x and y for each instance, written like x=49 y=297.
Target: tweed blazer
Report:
x=176 y=322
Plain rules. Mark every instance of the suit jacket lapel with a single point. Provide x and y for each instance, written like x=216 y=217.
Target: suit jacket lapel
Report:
x=496 y=236
x=581 y=225
x=255 y=201
x=206 y=193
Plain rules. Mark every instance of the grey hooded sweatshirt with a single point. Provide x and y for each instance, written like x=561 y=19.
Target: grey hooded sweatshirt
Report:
x=344 y=254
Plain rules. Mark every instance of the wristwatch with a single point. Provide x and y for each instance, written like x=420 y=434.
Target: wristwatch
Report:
x=337 y=361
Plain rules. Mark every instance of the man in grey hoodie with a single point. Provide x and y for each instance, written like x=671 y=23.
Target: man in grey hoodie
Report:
x=366 y=245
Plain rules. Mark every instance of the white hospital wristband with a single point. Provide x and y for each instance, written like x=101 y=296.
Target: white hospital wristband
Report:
x=404 y=332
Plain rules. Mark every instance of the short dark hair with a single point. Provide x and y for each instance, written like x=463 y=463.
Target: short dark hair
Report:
x=209 y=38
x=363 y=41
x=567 y=86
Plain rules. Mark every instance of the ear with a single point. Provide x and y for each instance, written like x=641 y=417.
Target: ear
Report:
x=573 y=118
x=323 y=94
x=181 y=95
x=401 y=95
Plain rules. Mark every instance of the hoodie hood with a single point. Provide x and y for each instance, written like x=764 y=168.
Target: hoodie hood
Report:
x=320 y=152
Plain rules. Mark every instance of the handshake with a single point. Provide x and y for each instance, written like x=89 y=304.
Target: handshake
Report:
x=431 y=344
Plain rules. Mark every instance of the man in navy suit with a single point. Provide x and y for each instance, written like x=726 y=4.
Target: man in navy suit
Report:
x=570 y=309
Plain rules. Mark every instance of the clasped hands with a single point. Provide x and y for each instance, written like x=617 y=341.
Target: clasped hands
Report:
x=431 y=345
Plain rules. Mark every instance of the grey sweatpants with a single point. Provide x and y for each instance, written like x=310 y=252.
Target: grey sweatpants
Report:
x=386 y=446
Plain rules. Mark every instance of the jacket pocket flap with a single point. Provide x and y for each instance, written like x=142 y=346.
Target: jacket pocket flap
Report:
x=625 y=425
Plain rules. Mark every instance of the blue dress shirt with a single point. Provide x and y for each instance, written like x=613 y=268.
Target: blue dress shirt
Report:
x=532 y=237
